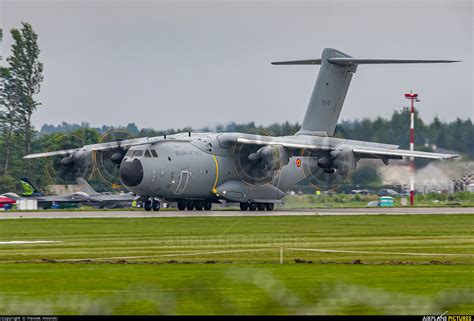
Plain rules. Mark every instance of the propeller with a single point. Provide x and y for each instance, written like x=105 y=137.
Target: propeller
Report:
x=328 y=170
x=66 y=169
x=259 y=165
x=107 y=163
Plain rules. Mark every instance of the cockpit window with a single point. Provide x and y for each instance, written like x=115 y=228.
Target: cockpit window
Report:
x=129 y=153
x=138 y=153
x=153 y=152
x=147 y=154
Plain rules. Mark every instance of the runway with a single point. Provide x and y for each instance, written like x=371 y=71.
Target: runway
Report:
x=236 y=213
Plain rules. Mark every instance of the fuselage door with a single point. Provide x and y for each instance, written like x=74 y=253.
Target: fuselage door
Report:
x=183 y=181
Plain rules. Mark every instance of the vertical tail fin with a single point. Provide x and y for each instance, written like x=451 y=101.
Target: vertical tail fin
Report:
x=85 y=187
x=328 y=94
x=331 y=87
x=28 y=188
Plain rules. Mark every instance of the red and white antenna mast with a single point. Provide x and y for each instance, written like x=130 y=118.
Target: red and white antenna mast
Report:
x=413 y=97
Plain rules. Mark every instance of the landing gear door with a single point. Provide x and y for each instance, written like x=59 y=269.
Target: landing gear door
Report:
x=183 y=181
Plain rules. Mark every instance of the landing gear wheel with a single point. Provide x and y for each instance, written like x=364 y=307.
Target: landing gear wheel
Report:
x=156 y=205
x=244 y=206
x=199 y=206
x=147 y=205
x=190 y=206
x=269 y=206
x=207 y=205
x=181 y=206
x=252 y=206
x=261 y=206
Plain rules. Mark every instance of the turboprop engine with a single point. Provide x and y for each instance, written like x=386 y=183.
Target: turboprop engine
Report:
x=75 y=164
x=332 y=169
x=260 y=166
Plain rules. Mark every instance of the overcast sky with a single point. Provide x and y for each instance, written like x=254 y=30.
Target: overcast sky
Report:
x=175 y=64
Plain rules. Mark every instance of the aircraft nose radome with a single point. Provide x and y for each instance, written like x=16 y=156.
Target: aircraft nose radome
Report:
x=131 y=173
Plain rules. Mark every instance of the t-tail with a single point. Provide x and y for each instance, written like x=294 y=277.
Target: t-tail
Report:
x=29 y=190
x=331 y=87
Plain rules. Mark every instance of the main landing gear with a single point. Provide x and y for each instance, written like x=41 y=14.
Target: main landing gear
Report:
x=257 y=206
x=194 y=205
x=151 y=204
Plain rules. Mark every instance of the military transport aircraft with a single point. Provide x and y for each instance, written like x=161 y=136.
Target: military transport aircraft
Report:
x=198 y=169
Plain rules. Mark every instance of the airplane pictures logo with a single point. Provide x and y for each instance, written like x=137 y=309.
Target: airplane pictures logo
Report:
x=445 y=317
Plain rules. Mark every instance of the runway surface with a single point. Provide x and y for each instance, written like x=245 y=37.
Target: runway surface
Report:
x=233 y=213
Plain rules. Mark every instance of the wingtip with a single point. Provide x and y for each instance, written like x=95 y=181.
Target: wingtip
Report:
x=451 y=156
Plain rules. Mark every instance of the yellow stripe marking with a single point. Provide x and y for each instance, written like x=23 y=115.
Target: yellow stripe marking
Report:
x=214 y=190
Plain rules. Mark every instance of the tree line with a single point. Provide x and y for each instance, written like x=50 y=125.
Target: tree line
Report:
x=456 y=136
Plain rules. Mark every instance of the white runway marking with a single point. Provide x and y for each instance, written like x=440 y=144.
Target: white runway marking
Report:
x=28 y=242
x=164 y=255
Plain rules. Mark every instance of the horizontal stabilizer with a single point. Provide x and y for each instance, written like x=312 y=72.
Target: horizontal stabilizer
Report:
x=299 y=62
x=363 y=61
x=360 y=61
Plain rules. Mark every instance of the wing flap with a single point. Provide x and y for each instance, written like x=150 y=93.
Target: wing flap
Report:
x=381 y=152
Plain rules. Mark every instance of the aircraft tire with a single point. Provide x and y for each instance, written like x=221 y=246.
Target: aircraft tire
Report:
x=199 y=206
x=252 y=206
x=261 y=206
x=207 y=205
x=269 y=206
x=181 y=206
x=190 y=206
x=244 y=206
x=156 y=205
x=147 y=205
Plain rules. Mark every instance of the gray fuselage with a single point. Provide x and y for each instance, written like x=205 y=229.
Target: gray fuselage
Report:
x=205 y=166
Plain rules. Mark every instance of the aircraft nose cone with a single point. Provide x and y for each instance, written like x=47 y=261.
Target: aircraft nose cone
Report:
x=131 y=173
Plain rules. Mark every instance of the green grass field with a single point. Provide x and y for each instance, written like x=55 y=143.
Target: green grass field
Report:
x=394 y=264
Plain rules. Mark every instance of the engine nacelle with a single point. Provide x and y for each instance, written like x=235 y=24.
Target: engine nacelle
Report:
x=343 y=160
x=77 y=163
x=331 y=169
x=272 y=157
x=117 y=156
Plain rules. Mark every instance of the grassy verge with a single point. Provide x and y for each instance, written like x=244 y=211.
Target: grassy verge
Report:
x=417 y=264
x=234 y=289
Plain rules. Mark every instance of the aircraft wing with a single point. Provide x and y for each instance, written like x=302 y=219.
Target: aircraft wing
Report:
x=115 y=198
x=365 y=150
x=124 y=144
x=60 y=199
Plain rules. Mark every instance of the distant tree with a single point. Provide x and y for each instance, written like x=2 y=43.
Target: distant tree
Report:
x=26 y=72
x=11 y=114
